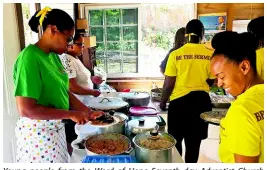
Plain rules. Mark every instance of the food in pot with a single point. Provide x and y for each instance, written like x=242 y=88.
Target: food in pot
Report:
x=107 y=146
x=105 y=119
x=155 y=144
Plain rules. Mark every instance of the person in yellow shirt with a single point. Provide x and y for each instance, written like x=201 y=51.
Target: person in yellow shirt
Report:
x=256 y=27
x=242 y=130
x=186 y=75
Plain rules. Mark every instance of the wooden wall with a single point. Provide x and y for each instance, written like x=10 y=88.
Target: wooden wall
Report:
x=235 y=11
x=140 y=85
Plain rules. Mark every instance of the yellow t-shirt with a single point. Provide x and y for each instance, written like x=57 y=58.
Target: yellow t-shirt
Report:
x=260 y=62
x=242 y=130
x=191 y=66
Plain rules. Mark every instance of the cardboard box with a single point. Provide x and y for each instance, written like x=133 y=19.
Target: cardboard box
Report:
x=89 y=41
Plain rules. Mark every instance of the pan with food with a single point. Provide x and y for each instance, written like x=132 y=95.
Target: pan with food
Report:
x=108 y=144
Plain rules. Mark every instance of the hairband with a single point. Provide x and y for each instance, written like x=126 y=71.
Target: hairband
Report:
x=43 y=13
x=189 y=35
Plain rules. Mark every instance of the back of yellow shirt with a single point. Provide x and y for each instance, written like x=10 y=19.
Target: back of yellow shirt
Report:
x=242 y=130
x=191 y=66
x=260 y=62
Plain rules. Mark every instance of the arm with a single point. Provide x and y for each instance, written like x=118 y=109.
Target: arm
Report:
x=28 y=107
x=164 y=63
x=170 y=79
x=211 y=78
x=168 y=86
x=246 y=159
x=28 y=87
x=77 y=89
x=77 y=105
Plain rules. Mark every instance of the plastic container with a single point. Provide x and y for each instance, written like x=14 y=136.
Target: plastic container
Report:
x=109 y=159
x=143 y=111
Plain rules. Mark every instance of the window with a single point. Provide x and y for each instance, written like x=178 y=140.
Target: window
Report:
x=116 y=32
x=133 y=39
x=28 y=10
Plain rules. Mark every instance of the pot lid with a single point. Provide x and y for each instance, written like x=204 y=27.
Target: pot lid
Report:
x=141 y=125
x=134 y=95
x=107 y=103
x=154 y=140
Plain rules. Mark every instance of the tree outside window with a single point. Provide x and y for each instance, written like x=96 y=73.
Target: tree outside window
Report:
x=116 y=32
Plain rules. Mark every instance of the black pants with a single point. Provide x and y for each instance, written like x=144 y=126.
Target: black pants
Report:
x=184 y=122
x=69 y=130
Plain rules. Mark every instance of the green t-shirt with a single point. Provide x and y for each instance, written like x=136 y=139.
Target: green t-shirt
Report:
x=42 y=77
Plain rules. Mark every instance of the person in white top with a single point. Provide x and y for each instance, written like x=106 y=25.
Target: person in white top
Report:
x=80 y=81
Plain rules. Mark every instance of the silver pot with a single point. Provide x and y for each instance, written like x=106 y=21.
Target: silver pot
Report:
x=137 y=126
x=136 y=98
x=113 y=136
x=145 y=155
x=116 y=128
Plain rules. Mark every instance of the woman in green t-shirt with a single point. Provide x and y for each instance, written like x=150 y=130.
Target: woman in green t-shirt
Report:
x=41 y=90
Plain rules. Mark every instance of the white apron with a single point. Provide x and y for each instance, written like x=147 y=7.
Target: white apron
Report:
x=41 y=141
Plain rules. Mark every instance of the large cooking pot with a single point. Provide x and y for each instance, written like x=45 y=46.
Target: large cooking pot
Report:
x=97 y=141
x=136 y=98
x=154 y=147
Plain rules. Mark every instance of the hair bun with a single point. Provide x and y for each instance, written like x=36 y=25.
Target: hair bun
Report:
x=230 y=42
x=226 y=40
x=248 y=41
x=34 y=22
